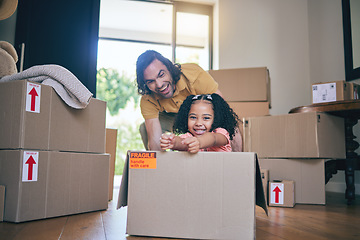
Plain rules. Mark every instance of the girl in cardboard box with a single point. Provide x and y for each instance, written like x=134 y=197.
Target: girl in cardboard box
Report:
x=204 y=123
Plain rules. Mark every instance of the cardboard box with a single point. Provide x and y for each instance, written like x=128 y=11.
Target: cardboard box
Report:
x=44 y=184
x=250 y=109
x=208 y=195
x=2 y=202
x=46 y=122
x=334 y=91
x=265 y=182
x=281 y=193
x=308 y=174
x=243 y=84
x=298 y=135
x=111 y=139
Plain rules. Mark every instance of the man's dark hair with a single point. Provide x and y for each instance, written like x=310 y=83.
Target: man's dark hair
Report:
x=144 y=60
x=224 y=116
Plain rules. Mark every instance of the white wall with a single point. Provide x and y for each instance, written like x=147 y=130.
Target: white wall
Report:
x=326 y=41
x=301 y=43
x=272 y=33
x=327 y=60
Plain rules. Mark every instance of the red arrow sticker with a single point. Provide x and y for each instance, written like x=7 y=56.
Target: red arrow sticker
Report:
x=277 y=193
x=30 y=166
x=33 y=92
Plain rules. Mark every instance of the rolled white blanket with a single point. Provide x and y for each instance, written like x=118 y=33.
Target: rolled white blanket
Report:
x=66 y=84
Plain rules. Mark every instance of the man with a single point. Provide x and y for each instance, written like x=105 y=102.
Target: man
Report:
x=164 y=86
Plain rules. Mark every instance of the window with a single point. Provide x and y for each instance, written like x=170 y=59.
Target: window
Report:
x=180 y=31
x=193 y=34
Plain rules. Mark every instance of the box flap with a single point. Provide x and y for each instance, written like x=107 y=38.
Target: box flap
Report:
x=260 y=196
x=123 y=193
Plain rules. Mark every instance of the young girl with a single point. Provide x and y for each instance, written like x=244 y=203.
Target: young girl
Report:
x=206 y=123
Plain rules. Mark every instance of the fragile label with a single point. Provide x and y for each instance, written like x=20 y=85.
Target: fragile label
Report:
x=30 y=166
x=324 y=92
x=33 y=94
x=277 y=193
x=143 y=160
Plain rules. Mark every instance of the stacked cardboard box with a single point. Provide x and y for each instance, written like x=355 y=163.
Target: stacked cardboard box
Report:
x=295 y=147
x=52 y=157
x=247 y=90
x=111 y=140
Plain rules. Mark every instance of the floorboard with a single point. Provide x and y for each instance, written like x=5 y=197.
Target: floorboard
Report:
x=336 y=220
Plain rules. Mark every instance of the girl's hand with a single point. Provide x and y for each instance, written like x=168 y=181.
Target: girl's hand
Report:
x=192 y=143
x=167 y=141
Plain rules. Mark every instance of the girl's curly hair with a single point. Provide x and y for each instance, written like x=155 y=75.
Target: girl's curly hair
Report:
x=224 y=116
x=144 y=60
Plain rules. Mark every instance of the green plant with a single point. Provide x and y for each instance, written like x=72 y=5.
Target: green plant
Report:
x=128 y=139
x=115 y=89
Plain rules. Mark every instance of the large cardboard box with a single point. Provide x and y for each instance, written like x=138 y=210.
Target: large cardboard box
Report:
x=308 y=175
x=334 y=91
x=43 y=121
x=298 y=135
x=250 y=109
x=243 y=84
x=111 y=139
x=208 y=195
x=282 y=193
x=44 y=184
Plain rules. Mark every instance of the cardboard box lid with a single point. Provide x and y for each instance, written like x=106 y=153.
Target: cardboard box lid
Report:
x=208 y=195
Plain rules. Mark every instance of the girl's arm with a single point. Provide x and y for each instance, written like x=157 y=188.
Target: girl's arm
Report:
x=209 y=139
x=192 y=144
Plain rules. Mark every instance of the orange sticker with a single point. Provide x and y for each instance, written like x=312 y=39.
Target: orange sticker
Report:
x=143 y=160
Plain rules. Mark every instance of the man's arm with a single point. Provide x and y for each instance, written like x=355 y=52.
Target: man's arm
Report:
x=153 y=129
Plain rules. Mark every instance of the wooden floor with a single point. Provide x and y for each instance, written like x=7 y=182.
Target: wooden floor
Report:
x=336 y=220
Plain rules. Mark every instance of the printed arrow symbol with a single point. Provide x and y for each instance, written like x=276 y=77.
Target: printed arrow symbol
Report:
x=33 y=94
x=31 y=162
x=277 y=193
